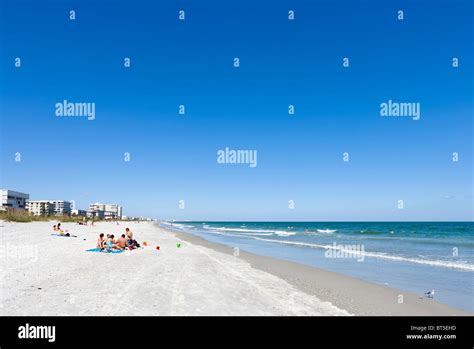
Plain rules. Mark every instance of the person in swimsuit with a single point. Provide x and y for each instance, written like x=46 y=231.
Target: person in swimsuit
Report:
x=115 y=245
x=109 y=244
x=61 y=232
x=132 y=243
x=122 y=242
x=101 y=241
x=129 y=234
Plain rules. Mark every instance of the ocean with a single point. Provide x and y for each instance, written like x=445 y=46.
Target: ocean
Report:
x=411 y=256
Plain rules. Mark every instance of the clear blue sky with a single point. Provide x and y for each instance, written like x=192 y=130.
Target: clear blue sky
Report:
x=173 y=157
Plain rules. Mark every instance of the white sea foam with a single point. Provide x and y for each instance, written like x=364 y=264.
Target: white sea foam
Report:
x=177 y=225
x=242 y=230
x=317 y=232
x=257 y=232
x=436 y=263
x=284 y=233
x=326 y=231
x=380 y=255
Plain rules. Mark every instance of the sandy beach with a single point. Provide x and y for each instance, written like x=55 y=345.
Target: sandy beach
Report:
x=43 y=274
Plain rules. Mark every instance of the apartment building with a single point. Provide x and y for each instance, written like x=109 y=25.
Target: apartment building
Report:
x=107 y=211
x=61 y=207
x=40 y=207
x=49 y=207
x=13 y=199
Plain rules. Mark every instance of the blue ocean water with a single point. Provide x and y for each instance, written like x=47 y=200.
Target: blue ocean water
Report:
x=411 y=256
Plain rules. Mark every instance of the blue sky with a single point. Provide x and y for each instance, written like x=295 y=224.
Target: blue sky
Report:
x=173 y=157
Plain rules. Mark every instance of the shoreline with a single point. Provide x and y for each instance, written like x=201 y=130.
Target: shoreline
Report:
x=358 y=297
x=46 y=275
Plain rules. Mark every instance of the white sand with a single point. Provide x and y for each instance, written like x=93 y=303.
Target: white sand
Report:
x=42 y=274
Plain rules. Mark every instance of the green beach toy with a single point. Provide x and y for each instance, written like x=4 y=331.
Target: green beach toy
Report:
x=178 y=245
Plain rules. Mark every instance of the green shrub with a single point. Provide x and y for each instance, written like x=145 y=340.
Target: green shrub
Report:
x=24 y=217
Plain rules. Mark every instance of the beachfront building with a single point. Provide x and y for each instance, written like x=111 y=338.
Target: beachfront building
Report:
x=91 y=213
x=105 y=211
x=49 y=207
x=61 y=207
x=115 y=209
x=40 y=207
x=78 y=213
x=13 y=199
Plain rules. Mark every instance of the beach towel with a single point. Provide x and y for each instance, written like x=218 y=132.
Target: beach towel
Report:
x=65 y=236
x=104 y=251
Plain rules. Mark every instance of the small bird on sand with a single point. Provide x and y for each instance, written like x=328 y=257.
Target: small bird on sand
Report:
x=430 y=294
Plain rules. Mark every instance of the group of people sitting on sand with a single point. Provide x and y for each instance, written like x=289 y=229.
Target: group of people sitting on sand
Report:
x=108 y=243
x=125 y=241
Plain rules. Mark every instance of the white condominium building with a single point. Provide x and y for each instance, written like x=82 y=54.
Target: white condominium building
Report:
x=13 y=199
x=115 y=209
x=107 y=211
x=40 y=207
x=49 y=207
